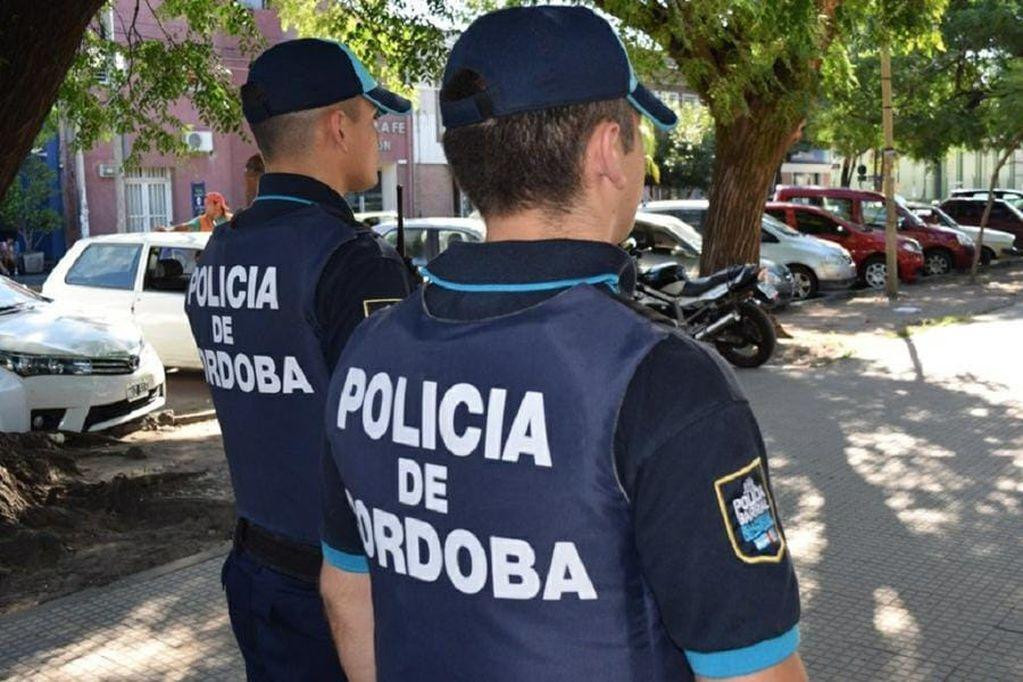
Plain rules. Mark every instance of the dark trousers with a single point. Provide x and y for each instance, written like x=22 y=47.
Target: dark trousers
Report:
x=279 y=623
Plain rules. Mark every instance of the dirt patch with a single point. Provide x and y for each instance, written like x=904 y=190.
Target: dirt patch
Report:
x=78 y=511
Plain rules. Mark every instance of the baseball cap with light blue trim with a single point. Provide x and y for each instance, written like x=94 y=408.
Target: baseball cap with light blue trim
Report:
x=531 y=58
x=309 y=73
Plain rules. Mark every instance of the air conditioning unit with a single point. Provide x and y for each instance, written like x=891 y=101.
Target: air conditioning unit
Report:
x=199 y=141
x=106 y=170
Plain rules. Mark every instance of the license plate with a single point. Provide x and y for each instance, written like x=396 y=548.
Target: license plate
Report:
x=768 y=289
x=138 y=391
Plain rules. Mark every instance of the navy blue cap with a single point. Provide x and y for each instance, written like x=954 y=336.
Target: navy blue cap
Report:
x=534 y=58
x=309 y=73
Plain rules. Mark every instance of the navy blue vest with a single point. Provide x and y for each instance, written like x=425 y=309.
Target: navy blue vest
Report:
x=478 y=456
x=251 y=305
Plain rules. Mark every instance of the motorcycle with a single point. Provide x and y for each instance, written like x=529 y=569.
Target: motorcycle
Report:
x=726 y=308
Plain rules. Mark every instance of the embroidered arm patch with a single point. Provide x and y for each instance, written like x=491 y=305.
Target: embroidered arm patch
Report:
x=371 y=305
x=749 y=515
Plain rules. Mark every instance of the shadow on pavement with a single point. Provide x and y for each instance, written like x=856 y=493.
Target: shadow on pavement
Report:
x=902 y=500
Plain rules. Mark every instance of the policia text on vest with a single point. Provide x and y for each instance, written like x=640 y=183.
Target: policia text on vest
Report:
x=412 y=547
x=242 y=288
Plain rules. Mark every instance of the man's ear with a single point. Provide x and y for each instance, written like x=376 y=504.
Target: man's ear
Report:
x=338 y=127
x=605 y=155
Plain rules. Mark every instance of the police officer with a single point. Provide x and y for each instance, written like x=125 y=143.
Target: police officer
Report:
x=272 y=302
x=547 y=485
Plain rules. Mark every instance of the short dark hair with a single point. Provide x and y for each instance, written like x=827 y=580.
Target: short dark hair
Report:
x=292 y=133
x=529 y=160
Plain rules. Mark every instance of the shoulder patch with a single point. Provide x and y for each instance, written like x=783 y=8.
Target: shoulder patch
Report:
x=749 y=515
x=371 y=305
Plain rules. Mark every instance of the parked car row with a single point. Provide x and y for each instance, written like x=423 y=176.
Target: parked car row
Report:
x=61 y=370
x=932 y=239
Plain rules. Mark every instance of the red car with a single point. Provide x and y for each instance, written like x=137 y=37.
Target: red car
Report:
x=865 y=244
x=944 y=249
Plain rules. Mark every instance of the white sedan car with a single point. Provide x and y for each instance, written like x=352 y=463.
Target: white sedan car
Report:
x=141 y=277
x=816 y=264
x=63 y=372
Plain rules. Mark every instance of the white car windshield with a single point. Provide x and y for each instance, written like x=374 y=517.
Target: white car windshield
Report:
x=13 y=295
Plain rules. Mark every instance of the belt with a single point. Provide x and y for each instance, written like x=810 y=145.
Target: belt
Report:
x=281 y=554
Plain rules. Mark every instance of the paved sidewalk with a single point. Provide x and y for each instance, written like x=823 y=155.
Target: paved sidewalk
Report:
x=899 y=471
x=166 y=624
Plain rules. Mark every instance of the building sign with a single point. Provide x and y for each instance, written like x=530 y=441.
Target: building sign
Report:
x=198 y=198
x=394 y=133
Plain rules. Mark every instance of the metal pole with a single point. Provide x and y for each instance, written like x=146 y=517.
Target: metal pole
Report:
x=400 y=245
x=891 y=238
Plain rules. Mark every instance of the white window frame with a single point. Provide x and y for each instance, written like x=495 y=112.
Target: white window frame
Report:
x=144 y=178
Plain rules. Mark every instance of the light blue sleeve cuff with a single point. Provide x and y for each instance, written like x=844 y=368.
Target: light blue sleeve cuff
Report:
x=747 y=660
x=350 y=563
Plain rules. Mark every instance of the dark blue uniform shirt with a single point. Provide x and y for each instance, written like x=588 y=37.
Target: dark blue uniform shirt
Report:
x=685 y=445
x=278 y=291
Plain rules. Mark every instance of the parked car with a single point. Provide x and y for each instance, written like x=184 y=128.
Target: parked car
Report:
x=426 y=238
x=141 y=277
x=814 y=264
x=944 y=249
x=996 y=242
x=690 y=211
x=59 y=371
x=1006 y=215
x=374 y=218
x=982 y=193
x=865 y=244
x=661 y=238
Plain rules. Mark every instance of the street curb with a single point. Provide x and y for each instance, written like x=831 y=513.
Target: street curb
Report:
x=848 y=294
x=88 y=593
x=194 y=417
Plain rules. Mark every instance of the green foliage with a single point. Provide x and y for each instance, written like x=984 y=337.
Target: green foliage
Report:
x=686 y=155
x=401 y=42
x=129 y=72
x=163 y=53
x=25 y=206
x=942 y=93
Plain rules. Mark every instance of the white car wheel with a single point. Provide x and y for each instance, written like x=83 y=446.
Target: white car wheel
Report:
x=875 y=274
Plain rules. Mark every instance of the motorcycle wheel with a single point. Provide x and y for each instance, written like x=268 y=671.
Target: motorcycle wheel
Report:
x=757 y=335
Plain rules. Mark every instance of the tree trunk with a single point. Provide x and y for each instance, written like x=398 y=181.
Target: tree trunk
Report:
x=848 y=166
x=38 y=42
x=748 y=151
x=987 y=209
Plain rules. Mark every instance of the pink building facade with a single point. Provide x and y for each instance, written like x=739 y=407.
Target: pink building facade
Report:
x=168 y=189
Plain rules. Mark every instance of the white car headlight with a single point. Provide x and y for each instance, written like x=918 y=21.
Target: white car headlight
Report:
x=964 y=239
x=911 y=245
x=27 y=365
x=836 y=259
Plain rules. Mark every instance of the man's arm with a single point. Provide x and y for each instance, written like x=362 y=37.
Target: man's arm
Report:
x=347 y=598
x=713 y=552
x=789 y=670
x=344 y=578
x=357 y=280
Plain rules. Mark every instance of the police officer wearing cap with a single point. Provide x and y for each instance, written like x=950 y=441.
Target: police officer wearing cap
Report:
x=276 y=294
x=547 y=485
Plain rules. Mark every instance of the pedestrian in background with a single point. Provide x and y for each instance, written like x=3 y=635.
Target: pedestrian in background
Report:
x=215 y=213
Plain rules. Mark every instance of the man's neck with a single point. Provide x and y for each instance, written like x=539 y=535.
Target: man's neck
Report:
x=308 y=169
x=538 y=224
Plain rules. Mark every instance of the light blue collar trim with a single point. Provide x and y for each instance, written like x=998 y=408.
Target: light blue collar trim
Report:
x=283 y=197
x=610 y=280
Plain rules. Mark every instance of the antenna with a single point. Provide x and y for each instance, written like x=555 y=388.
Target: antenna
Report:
x=401 y=223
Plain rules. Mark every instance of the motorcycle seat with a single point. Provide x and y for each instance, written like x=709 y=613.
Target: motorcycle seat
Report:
x=701 y=285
